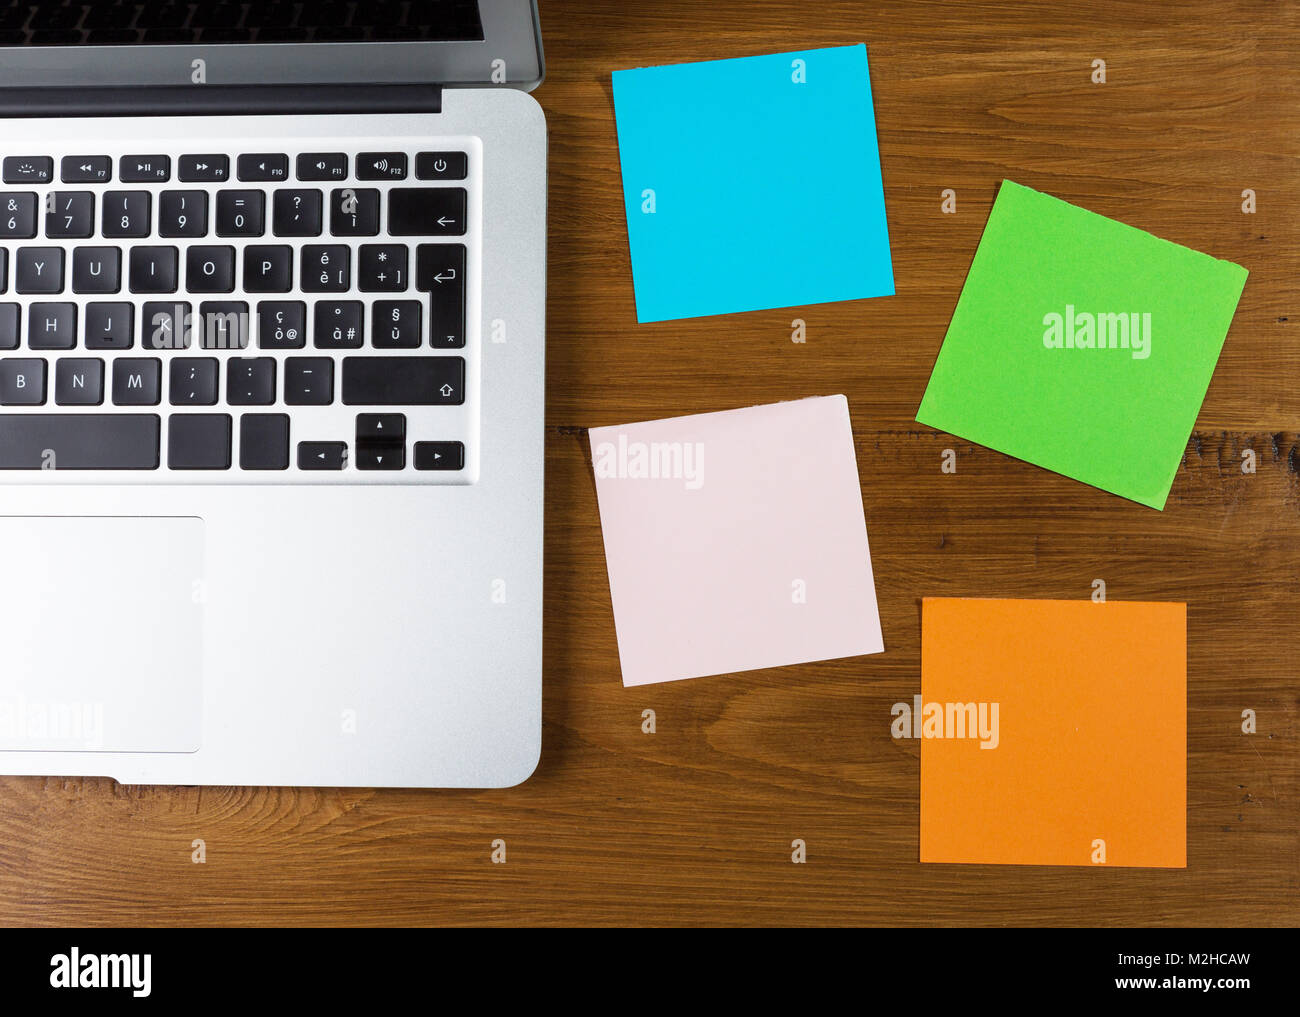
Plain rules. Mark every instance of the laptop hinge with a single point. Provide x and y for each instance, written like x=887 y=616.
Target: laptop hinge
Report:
x=218 y=100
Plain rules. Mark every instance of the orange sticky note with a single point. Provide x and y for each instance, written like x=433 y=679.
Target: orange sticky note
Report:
x=1054 y=732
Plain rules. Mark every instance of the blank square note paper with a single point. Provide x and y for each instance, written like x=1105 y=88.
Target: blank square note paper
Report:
x=752 y=183
x=1052 y=732
x=1082 y=345
x=735 y=540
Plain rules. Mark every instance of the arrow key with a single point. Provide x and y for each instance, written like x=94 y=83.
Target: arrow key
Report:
x=381 y=455
x=439 y=455
x=381 y=427
x=322 y=455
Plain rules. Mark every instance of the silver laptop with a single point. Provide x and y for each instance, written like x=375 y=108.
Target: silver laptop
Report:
x=272 y=287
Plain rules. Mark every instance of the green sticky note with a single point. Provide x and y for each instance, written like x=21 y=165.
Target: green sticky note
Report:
x=1082 y=345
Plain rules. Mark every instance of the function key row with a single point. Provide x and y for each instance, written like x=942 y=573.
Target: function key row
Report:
x=260 y=167
x=295 y=212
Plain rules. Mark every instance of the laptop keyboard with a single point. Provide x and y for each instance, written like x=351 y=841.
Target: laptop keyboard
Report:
x=286 y=316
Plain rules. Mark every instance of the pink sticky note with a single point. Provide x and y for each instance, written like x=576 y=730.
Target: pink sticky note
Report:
x=735 y=540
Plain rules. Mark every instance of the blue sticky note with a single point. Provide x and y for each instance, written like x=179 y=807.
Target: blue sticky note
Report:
x=752 y=183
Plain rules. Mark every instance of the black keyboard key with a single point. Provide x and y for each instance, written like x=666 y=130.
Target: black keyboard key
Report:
x=183 y=214
x=281 y=324
x=439 y=266
x=250 y=381
x=380 y=166
x=322 y=455
x=4 y=269
x=441 y=166
x=326 y=268
x=154 y=270
x=241 y=213
x=11 y=319
x=440 y=269
x=137 y=381
x=395 y=325
x=86 y=169
x=322 y=166
x=79 y=382
x=52 y=326
x=308 y=381
x=38 y=270
x=268 y=269
x=439 y=455
x=263 y=166
x=69 y=214
x=338 y=325
x=22 y=382
x=166 y=325
x=381 y=427
x=198 y=441
x=297 y=213
x=398 y=381
x=381 y=268
x=354 y=212
x=264 y=441
x=193 y=381
x=126 y=214
x=110 y=326
x=96 y=270
x=27 y=169
x=203 y=169
x=223 y=325
x=18 y=215
x=79 y=441
x=426 y=211
x=210 y=270
x=380 y=455
x=144 y=169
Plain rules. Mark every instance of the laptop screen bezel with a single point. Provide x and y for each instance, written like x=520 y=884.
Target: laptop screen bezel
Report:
x=510 y=53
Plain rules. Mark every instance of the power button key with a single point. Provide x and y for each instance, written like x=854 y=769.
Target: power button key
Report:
x=441 y=166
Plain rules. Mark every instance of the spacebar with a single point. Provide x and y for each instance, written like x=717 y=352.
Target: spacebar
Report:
x=79 y=441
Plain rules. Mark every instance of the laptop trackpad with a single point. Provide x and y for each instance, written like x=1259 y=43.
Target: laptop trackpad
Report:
x=101 y=634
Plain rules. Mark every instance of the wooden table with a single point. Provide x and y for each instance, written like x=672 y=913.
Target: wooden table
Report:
x=694 y=823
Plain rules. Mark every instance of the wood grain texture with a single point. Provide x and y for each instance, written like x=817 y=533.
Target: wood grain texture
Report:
x=694 y=823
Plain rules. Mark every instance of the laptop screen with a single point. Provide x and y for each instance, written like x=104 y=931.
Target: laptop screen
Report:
x=120 y=43
x=216 y=22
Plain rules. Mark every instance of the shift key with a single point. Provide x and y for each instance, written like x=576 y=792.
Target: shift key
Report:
x=403 y=381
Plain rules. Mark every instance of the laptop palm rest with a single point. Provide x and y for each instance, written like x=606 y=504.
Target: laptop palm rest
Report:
x=101 y=634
